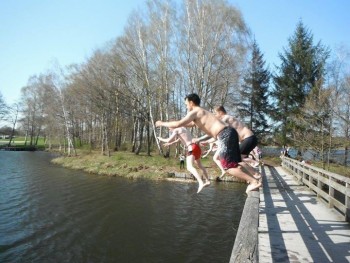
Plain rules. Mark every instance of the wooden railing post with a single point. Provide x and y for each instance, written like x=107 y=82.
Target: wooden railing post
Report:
x=347 y=203
x=331 y=193
x=319 y=185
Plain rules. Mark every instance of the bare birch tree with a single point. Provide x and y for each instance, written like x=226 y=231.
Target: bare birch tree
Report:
x=144 y=51
x=32 y=104
x=59 y=85
x=117 y=94
x=3 y=108
x=161 y=30
x=339 y=82
x=13 y=117
x=212 y=47
x=314 y=125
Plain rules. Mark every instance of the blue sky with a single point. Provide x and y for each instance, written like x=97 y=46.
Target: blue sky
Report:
x=34 y=33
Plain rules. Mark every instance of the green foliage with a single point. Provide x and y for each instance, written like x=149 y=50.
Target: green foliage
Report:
x=254 y=105
x=301 y=71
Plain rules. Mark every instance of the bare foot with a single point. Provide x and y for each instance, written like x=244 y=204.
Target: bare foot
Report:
x=222 y=173
x=200 y=187
x=221 y=176
x=207 y=183
x=253 y=186
x=257 y=176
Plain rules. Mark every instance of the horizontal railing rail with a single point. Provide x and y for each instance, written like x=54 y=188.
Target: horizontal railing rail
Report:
x=332 y=188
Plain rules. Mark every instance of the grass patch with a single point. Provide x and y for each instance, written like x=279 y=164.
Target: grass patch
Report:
x=20 y=141
x=272 y=161
x=334 y=168
x=127 y=164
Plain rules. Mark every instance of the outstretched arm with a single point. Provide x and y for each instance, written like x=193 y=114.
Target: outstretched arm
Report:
x=174 y=138
x=203 y=138
x=167 y=140
x=172 y=142
x=210 y=141
x=186 y=121
x=211 y=147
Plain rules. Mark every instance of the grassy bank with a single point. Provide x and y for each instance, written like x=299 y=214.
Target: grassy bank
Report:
x=129 y=165
x=20 y=143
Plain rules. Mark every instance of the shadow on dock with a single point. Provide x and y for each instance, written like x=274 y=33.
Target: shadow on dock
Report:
x=295 y=227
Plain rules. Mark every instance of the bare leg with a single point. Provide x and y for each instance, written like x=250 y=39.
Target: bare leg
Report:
x=206 y=154
x=250 y=169
x=192 y=170
x=238 y=172
x=211 y=146
x=205 y=174
x=216 y=159
x=250 y=161
x=255 y=157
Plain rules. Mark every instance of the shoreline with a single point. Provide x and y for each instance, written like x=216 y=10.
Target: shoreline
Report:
x=129 y=165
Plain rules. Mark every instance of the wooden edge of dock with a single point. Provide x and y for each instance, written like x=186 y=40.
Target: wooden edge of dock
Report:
x=245 y=248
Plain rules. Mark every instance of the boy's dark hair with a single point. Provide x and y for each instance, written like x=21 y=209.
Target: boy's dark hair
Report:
x=194 y=98
x=220 y=108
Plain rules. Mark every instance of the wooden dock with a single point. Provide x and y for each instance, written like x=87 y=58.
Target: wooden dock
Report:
x=295 y=217
x=297 y=226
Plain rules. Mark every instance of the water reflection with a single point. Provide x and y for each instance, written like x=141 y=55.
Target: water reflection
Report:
x=52 y=214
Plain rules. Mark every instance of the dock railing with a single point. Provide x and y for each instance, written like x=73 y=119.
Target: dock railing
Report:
x=332 y=188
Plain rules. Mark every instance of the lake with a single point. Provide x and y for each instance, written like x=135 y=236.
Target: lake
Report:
x=52 y=214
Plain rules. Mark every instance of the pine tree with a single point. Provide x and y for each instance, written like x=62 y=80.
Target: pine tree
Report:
x=302 y=67
x=254 y=106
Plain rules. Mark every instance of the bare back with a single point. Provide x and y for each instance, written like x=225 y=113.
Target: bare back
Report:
x=203 y=119
x=242 y=130
x=184 y=135
x=206 y=121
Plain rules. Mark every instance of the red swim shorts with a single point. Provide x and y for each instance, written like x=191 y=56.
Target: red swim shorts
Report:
x=228 y=164
x=194 y=150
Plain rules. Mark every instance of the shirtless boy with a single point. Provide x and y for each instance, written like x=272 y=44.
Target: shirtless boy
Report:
x=227 y=138
x=193 y=153
x=248 y=141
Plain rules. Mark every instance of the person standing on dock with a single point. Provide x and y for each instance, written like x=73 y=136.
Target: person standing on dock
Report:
x=227 y=137
x=193 y=153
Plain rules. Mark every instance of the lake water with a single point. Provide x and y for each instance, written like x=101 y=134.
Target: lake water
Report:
x=52 y=214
